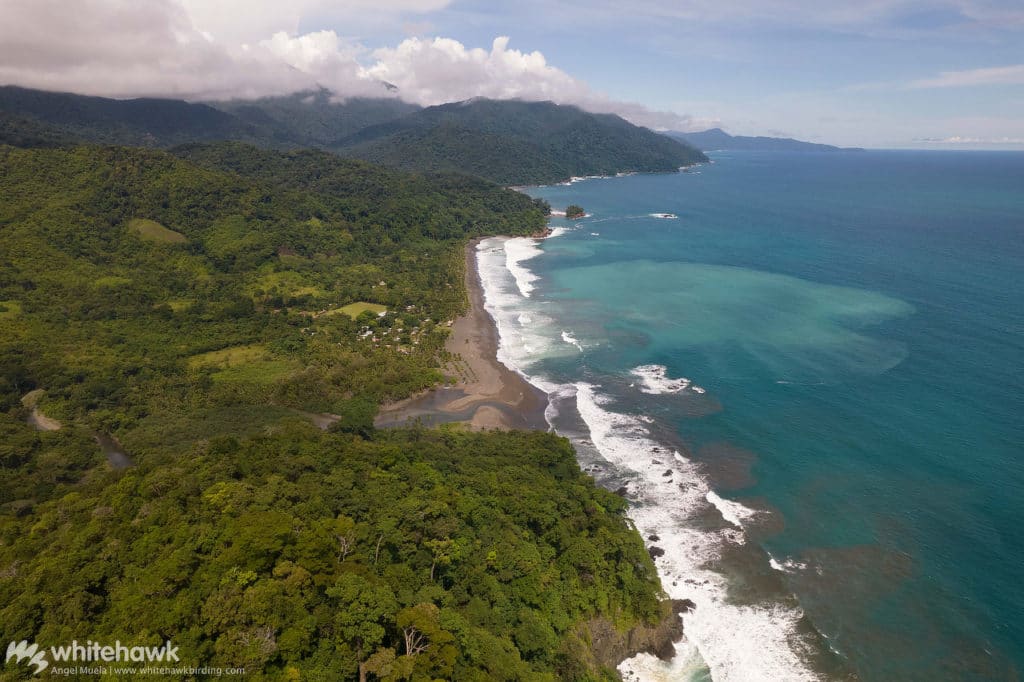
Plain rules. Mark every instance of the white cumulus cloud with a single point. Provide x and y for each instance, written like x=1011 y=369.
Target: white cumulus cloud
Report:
x=195 y=49
x=442 y=70
x=433 y=71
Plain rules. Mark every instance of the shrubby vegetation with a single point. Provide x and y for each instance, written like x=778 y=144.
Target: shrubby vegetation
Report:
x=206 y=308
x=110 y=317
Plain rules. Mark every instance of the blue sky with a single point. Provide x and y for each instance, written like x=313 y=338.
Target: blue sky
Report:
x=874 y=73
x=870 y=74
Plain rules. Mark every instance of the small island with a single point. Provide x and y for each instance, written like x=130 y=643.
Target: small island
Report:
x=574 y=212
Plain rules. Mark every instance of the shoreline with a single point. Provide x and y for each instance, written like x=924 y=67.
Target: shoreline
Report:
x=573 y=179
x=487 y=394
x=490 y=395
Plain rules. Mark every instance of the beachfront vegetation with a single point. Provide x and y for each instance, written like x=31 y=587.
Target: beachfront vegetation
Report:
x=244 y=533
x=574 y=211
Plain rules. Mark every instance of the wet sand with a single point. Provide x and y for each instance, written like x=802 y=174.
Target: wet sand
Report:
x=487 y=394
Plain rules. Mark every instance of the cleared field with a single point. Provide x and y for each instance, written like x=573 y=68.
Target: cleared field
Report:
x=353 y=310
x=229 y=357
x=9 y=309
x=244 y=364
x=152 y=231
x=265 y=371
x=285 y=283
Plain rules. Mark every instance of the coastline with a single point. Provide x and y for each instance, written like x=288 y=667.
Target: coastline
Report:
x=695 y=538
x=487 y=394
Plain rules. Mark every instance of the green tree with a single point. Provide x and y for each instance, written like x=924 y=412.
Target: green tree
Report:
x=356 y=416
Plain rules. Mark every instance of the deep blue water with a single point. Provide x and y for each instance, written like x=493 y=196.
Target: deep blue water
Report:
x=857 y=324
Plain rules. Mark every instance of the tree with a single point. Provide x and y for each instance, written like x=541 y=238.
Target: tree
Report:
x=428 y=646
x=574 y=212
x=356 y=416
x=345 y=534
x=365 y=612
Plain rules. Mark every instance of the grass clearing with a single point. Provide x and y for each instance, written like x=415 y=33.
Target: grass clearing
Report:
x=9 y=309
x=353 y=310
x=265 y=372
x=285 y=283
x=229 y=357
x=252 y=363
x=152 y=231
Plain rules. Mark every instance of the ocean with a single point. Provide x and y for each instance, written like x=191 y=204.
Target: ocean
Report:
x=806 y=373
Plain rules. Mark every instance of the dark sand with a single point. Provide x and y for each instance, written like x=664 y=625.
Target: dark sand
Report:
x=488 y=395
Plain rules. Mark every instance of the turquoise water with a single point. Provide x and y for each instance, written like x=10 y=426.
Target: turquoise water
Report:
x=833 y=345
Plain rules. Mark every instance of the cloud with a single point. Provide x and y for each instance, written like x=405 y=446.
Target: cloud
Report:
x=996 y=75
x=121 y=48
x=865 y=16
x=250 y=21
x=999 y=75
x=186 y=49
x=192 y=49
x=968 y=140
x=433 y=71
x=442 y=70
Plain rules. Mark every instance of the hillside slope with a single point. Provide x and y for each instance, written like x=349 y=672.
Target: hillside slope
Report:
x=194 y=308
x=148 y=122
x=315 y=119
x=717 y=139
x=514 y=142
x=508 y=142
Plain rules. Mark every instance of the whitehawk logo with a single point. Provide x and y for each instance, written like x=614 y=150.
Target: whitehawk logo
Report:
x=22 y=650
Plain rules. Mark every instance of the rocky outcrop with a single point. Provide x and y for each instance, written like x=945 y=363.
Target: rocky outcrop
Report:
x=610 y=646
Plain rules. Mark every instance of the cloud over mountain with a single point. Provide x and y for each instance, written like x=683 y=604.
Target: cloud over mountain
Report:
x=196 y=50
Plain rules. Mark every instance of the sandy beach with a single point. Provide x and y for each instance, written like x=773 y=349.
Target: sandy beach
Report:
x=487 y=394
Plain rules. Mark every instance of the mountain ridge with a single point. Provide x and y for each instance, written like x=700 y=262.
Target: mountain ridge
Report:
x=716 y=139
x=510 y=142
x=550 y=142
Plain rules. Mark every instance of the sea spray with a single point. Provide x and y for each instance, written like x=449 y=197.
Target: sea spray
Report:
x=737 y=642
x=654 y=380
x=668 y=494
x=517 y=251
x=568 y=337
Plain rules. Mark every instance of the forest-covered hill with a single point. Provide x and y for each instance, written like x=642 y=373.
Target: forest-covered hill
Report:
x=317 y=118
x=717 y=139
x=205 y=310
x=509 y=142
x=514 y=142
